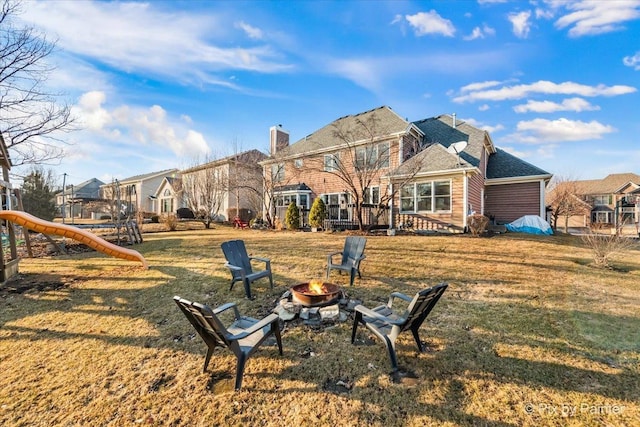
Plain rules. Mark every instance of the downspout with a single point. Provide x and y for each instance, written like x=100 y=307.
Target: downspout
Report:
x=390 y=205
x=465 y=196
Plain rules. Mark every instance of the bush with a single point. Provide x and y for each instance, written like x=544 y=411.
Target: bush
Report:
x=292 y=217
x=185 y=213
x=155 y=219
x=604 y=246
x=170 y=220
x=318 y=213
x=105 y=216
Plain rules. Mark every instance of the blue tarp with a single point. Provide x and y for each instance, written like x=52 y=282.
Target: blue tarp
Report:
x=531 y=224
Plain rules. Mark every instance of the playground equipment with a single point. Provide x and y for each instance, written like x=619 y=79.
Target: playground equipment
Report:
x=95 y=242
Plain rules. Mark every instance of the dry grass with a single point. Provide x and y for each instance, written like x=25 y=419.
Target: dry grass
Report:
x=527 y=332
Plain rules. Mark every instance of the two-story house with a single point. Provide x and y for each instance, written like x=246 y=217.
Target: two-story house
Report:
x=136 y=193
x=614 y=200
x=75 y=201
x=225 y=187
x=431 y=173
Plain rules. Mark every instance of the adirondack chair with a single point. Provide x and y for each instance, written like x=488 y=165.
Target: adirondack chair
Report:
x=239 y=263
x=387 y=324
x=243 y=336
x=352 y=254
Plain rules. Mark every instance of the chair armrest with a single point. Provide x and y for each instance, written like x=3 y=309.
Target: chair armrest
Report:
x=225 y=307
x=236 y=268
x=257 y=326
x=400 y=296
x=370 y=313
x=331 y=255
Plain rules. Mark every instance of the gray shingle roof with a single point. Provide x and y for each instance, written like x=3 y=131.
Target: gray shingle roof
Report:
x=434 y=158
x=89 y=189
x=440 y=130
x=609 y=185
x=249 y=157
x=504 y=165
x=148 y=175
x=383 y=121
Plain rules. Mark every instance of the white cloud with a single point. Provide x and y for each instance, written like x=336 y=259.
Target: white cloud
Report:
x=569 y=104
x=430 y=23
x=541 y=86
x=491 y=1
x=252 y=32
x=484 y=107
x=134 y=37
x=521 y=24
x=540 y=131
x=632 y=61
x=589 y=17
x=480 y=125
x=480 y=33
x=135 y=126
x=479 y=86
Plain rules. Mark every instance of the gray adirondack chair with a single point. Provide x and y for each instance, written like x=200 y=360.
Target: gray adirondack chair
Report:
x=387 y=323
x=243 y=336
x=239 y=263
x=352 y=255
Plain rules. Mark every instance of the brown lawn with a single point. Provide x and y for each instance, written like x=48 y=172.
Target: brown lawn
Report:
x=528 y=333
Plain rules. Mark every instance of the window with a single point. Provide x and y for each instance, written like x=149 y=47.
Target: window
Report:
x=371 y=196
x=601 y=217
x=432 y=196
x=167 y=206
x=277 y=173
x=331 y=162
x=284 y=200
x=373 y=156
x=602 y=200
x=298 y=163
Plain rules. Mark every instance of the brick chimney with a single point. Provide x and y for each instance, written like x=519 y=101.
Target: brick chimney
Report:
x=278 y=138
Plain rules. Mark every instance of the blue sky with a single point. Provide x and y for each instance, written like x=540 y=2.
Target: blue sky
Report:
x=157 y=84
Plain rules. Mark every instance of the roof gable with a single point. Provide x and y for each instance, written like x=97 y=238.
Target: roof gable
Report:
x=250 y=157
x=611 y=184
x=381 y=121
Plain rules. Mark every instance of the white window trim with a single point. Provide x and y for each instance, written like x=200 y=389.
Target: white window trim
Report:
x=433 y=197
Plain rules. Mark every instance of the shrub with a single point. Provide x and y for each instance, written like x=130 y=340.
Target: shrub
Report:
x=155 y=219
x=170 y=220
x=477 y=224
x=318 y=213
x=604 y=246
x=105 y=216
x=292 y=217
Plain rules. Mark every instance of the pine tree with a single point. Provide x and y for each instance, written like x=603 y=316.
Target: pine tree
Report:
x=292 y=217
x=318 y=213
x=38 y=197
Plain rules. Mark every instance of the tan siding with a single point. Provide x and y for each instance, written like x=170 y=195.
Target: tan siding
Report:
x=511 y=201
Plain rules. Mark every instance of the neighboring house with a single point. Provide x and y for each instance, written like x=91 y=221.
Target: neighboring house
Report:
x=432 y=184
x=613 y=201
x=168 y=196
x=76 y=200
x=225 y=186
x=136 y=193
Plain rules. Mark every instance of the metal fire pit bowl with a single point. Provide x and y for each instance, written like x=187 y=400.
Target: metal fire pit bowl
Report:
x=300 y=293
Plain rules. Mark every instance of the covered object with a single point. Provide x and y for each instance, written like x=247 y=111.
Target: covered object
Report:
x=531 y=224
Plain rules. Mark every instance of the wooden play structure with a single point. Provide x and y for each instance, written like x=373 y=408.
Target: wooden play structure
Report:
x=8 y=250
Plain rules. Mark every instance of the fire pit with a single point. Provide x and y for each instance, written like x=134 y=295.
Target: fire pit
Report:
x=315 y=293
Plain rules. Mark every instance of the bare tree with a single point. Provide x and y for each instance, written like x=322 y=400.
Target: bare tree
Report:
x=565 y=202
x=362 y=160
x=204 y=188
x=30 y=116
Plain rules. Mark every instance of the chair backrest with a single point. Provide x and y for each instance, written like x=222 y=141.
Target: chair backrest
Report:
x=204 y=321
x=353 y=249
x=422 y=304
x=236 y=254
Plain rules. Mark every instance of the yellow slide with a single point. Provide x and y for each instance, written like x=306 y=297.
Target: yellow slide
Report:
x=99 y=244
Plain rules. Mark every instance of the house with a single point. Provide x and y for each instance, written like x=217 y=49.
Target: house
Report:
x=612 y=201
x=77 y=201
x=429 y=174
x=225 y=187
x=136 y=193
x=168 y=197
